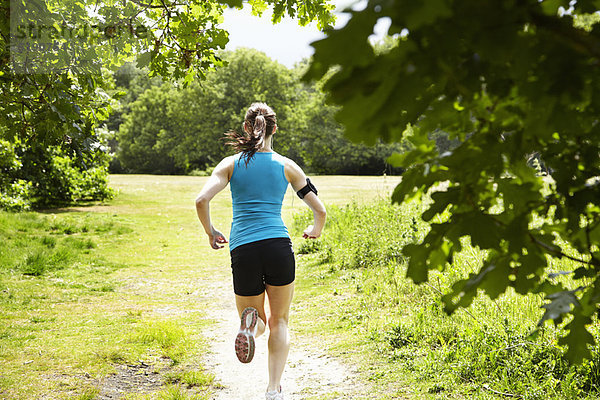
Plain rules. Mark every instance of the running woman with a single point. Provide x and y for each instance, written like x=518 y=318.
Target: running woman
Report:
x=262 y=258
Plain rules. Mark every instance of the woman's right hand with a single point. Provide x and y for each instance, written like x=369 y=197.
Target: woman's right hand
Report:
x=215 y=238
x=311 y=233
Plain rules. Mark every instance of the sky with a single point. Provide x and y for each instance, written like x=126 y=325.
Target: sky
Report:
x=287 y=42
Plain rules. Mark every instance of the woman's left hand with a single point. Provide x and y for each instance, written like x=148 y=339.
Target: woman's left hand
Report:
x=311 y=233
x=216 y=238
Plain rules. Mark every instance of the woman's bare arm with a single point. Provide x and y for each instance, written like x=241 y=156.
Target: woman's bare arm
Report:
x=297 y=179
x=217 y=182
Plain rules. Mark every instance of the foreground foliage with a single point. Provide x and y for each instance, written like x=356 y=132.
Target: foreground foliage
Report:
x=354 y=275
x=506 y=80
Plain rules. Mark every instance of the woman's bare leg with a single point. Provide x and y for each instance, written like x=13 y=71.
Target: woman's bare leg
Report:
x=280 y=299
x=257 y=302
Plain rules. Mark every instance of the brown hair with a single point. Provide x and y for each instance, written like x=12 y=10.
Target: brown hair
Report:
x=260 y=120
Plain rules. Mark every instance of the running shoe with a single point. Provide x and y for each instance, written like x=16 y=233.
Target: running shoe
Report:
x=274 y=395
x=244 y=342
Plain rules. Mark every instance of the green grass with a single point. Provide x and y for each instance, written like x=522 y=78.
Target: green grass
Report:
x=170 y=392
x=191 y=378
x=51 y=282
x=170 y=337
x=86 y=289
x=405 y=343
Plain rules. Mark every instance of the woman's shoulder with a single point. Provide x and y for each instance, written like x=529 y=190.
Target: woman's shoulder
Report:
x=283 y=159
x=227 y=165
x=290 y=164
x=292 y=170
x=280 y=158
x=229 y=160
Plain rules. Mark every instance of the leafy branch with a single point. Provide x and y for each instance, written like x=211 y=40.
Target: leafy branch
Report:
x=524 y=86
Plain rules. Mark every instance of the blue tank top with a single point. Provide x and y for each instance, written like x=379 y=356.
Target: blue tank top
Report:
x=257 y=192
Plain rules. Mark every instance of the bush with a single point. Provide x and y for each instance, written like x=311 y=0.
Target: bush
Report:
x=16 y=196
x=202 y=172
x=35 y=176
x=14 y=193
x=66 y=182
x=363 y=236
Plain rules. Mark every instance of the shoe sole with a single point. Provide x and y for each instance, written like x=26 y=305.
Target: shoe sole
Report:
x=244 y=342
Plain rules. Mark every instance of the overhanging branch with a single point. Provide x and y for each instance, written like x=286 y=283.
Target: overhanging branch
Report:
x=583 y=42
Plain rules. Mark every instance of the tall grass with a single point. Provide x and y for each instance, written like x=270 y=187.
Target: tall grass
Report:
x=485 y=350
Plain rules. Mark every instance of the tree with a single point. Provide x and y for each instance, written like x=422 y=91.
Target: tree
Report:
x=322 y=146
x=217 y=105
x=142 y=145
x=506 y=79
x=55 y=56
x=170 y=130
x=184 y=126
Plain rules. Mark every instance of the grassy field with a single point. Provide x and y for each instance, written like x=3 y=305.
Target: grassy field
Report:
x=398 y=332
x=93 y=297
x=91 y=291
x=104 y=299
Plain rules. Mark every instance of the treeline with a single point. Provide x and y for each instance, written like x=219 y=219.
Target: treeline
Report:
x=163 y=128
x=60 y=136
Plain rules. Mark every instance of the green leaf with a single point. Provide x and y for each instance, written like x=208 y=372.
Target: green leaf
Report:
x=496 y=277
x=483 y=228
x=333 y=50
x=424 y=150
x=532 y=266
x=441 y=201
x=232 y=3
x=417 y=264
x=410 y=186
x=220 y=39
x=560 y=304
x=550 y=7
x=143 y=59
x=579 y=339
x=439 y=256
x=425 y=12
x=465 y=297
x=516 y=233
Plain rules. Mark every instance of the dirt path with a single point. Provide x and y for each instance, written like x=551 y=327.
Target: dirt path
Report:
x=169 y=241
x=309 y=374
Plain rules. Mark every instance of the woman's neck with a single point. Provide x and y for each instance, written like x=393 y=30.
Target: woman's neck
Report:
x=267 y=146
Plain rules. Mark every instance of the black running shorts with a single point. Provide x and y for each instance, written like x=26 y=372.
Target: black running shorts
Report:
x=268 y=261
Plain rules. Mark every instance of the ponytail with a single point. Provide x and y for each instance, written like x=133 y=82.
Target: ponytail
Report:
x=259 y=123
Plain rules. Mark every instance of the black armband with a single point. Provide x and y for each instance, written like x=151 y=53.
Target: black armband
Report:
x=308 y=188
